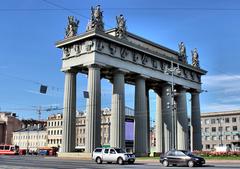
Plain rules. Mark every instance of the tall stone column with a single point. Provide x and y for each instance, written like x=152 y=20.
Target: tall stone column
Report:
x=93 y=116
x=196 y=139
x=148 y=119
x=69 y=112
x=141 y=136
x=158 y=123
x=182 y=120
x=117 y=130
x=167 y=118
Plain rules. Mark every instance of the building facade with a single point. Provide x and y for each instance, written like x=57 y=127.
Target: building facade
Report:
x=8 y=124
x=123 y=57
x=221 y=128
x=54 y=130
x=55 y=127
x=31 y=137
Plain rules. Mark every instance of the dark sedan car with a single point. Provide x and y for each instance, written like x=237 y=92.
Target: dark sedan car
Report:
x=181 y=157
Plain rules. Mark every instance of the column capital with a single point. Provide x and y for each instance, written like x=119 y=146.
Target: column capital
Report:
x=182 y=88
x=195 y=91
x=122 y=71
x=141 y=76
x=71 y=70
x=96 y=66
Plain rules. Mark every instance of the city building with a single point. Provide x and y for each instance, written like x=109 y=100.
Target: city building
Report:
x=8 y=124
x=54 y=130
x=31 y=137
x=221 y=128
x=55 y=126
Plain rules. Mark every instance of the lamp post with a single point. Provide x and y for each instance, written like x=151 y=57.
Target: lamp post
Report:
x=172 y=71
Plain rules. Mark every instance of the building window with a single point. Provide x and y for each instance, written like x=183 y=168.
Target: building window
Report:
x=207 y=138
x=234 y=128
x=207 y=121
x=212 y=121
x=213 y=129
x=235 y=137
x=207 y=130
x=226 y=120
x=228 y=137
x=214 y=137
x=227 y=128
x=234 y=119
x=49 y=123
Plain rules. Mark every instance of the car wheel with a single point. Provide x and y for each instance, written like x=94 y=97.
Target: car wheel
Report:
x=165 y=163
x=99 y=160
x=190 y=163
x=120 y=161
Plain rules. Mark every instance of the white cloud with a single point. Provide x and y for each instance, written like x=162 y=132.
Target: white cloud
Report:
x=223 y=93
x=215 y=107
x=222 y=83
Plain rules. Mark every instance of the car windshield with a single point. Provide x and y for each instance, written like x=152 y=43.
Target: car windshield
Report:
x=119 y=150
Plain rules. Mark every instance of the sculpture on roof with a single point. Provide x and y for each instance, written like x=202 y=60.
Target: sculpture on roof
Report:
x=96 y=21
x=72 y=27
x=182 y=53
x=121 y=26
x=195 y=60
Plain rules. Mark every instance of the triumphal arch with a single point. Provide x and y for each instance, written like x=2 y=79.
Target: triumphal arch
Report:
x=123 y=57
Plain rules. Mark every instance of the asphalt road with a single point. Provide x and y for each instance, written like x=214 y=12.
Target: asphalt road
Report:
x=39 y=162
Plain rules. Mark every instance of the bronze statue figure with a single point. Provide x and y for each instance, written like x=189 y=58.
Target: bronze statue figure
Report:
x=72 y=27
x=182 y=53
x=195 y=60
x=96 y=21
x=121 y=26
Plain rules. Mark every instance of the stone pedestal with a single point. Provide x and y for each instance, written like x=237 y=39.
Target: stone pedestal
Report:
x=69 y=112
x=117 y=136
x=93 y=116
x=141 y=136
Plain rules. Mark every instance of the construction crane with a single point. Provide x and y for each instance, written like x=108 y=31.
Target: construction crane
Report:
x=40 y=109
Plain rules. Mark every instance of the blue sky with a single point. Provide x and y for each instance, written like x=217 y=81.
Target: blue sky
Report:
x=29 y=29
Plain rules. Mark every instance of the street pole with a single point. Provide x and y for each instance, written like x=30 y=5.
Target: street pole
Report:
x=173 y=70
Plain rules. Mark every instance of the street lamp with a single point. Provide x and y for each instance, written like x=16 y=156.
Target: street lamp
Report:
x=173 y=71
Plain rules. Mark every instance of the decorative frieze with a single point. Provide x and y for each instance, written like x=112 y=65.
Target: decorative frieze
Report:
x=127 y=54
x=89 y=45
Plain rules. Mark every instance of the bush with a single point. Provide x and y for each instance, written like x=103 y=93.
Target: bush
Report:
x=217 y=154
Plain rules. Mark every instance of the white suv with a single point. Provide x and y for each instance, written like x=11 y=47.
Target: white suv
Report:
x=110 y=155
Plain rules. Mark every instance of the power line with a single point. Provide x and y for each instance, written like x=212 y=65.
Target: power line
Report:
x=72 y=10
